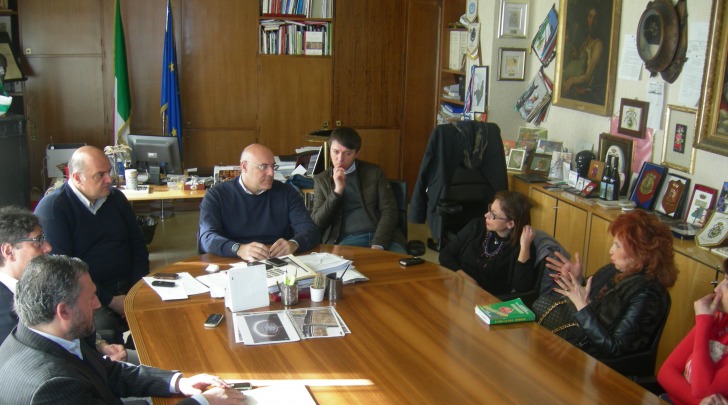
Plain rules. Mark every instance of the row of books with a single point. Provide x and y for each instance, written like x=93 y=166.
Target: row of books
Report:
x=307 y=8
x=451 y=110
x=279 y=37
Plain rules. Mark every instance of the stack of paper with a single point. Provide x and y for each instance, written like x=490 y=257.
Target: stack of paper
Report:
x=327 y=263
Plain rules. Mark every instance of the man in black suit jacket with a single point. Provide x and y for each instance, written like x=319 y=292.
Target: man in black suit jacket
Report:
x=45 y=359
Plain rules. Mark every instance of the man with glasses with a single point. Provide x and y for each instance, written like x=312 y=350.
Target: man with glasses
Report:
x=89 y=219
x=255 y=217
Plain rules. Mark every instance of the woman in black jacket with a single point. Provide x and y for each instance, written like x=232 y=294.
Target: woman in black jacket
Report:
x=622 y=305
x=497 y=252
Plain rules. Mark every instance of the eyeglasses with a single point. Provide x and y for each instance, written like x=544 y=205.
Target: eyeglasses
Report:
x=265 y=167
x=492 y=214
x=37 y=241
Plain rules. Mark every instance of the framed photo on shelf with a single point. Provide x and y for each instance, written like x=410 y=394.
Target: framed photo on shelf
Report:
x=672 y=195
x=633 y=117
x=512 y=64
x=540 y=164
x=648 y=184
x=513 y=19
x=611 y=145
x=479 y=95
x=701 y=202
x=515 y=159
x=596 y=170
x=722 y=204
x=714 y=233
x=677 y=148
x=575 y=86
x=13 y=70
x=549 y=147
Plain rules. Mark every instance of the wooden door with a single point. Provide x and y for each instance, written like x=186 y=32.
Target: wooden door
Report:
x=543 y=212
x=570 y=228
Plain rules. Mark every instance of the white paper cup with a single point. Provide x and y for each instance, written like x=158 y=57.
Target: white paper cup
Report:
x=317 y=294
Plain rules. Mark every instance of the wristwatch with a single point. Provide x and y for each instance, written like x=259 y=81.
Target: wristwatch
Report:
x=235 y=248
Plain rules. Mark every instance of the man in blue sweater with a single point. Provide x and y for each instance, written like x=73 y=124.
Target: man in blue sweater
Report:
x=253 y=216
x=88 y=219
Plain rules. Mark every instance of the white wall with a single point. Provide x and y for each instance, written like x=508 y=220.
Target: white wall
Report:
x=569 y=125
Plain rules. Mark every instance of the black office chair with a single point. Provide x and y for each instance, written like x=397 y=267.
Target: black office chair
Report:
x=399 y=189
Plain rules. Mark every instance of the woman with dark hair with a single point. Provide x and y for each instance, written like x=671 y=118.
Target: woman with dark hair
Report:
x=621 y=307
x=496 y=253
x=696 y=372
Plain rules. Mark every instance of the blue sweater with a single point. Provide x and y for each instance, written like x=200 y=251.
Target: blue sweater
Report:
x=228 y=214
x=110 y=242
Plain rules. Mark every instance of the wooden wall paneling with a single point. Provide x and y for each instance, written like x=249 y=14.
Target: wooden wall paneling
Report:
x=369 y=57
x=420 y=84
x=294 y=98
x=381 y=146
x=205 y=148
x=61 y=26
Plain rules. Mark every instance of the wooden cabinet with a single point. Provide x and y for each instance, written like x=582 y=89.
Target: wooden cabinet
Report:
x=570 y=228
x=543 y=210
x=599 y=241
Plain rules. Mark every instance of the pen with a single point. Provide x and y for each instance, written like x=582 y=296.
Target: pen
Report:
x=342 y=274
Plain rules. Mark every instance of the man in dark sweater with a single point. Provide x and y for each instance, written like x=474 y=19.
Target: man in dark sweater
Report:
x=88 y=219
x=253 y=216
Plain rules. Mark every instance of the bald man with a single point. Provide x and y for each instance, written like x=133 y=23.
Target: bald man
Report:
x=89 y=219
x=253 y=216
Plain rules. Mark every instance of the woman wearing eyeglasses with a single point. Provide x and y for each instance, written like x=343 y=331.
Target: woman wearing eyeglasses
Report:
x=496 y=252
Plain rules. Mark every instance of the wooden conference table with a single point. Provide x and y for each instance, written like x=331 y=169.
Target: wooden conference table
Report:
x=414 y=339
x=164 y=193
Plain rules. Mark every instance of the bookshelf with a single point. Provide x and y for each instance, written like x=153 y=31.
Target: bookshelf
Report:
x=296 y=27
x=451 y=78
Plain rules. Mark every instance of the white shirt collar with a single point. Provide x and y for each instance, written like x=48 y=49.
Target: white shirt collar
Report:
x=240 y=180
x=73 y=347
x=9 y=281
x=86 y=202
x=351 y=168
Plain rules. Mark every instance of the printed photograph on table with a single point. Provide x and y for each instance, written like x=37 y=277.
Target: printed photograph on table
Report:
x=648 y=184
x=586 y=55
x=540 y=164
x=633 y=117
x=515 y=159
x=722 y=204
x=479 y=96
x=596 y=170
x=672 y=196
x=512 y=64
x=623 y=149
x=513 y=19
x=701 y=202
x=548 y=147
x=677 y=147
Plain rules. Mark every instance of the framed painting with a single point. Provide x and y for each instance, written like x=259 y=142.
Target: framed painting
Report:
x=648 y=184
x=596 y=170
x=586 y=55
x=712 y=134
x=623 y=149
x=540 y=164
x=677 y=147
x=633 y=117
x=515 y=159
x=513 y=19
x=672 y=195
x=479 y=95
x=701 y=202
x=512 y=64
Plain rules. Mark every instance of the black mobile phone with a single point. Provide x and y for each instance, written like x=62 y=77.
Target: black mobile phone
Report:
x=411 y=261
x=276 y=262
x=241 y=386
x=166 y=276
x=213 y=320
x=160 y=283
x=267 y=266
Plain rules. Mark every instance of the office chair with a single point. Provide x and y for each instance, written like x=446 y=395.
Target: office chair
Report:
x=399 y=189
x=200 y=250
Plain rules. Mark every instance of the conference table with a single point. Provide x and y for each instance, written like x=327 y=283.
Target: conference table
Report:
x=415 y=338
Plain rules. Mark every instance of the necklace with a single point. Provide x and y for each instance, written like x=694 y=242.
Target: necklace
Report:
x=500 y=245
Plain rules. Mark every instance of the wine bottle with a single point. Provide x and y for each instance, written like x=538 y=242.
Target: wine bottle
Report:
x=605 y=179
x=613 y=183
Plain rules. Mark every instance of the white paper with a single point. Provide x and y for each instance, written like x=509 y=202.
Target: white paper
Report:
x=656 y=98
x=191 y=285
x=217 y=283
x=691 y=81
x=247 y=288
x=299 y=170
x=280 y=394
x=630 y=63
x=168 y=293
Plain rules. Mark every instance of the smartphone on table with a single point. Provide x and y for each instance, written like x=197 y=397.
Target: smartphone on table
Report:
x=213 y=320
x=160 y=283
x=276 y=262
x=166 y=276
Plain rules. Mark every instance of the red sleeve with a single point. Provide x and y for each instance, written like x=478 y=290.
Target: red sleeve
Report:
x=671 y=376
x=707 y=377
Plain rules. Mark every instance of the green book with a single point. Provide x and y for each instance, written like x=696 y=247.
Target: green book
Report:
x=505 y=312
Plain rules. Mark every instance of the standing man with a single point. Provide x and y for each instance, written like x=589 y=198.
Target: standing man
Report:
x=88 y=219
x=45 y=359
x=255 y=217
x=353 y=200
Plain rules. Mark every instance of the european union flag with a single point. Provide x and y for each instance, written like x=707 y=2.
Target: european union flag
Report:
x=170 y=85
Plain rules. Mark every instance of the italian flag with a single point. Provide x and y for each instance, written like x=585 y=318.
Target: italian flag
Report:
x=122 y=98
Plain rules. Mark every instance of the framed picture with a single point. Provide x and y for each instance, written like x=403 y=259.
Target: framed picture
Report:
x=712 y=132
x=623 y=149
x=677 y=148
x=540 y=164
x=513 y=19
x=633 y=117
x=532 y=133
x=586 y=55
x=596 y=170
x=512 y=64
x=7 y=49
x=722 y=202
x=701 y=202
x=515 y=159
x=648 y=184
x=549 y=147
x=479 y=95
x=672 y=195
x=714 y=233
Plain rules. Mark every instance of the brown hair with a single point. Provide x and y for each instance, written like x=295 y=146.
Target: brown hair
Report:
x=649 y=242
x=517 y=208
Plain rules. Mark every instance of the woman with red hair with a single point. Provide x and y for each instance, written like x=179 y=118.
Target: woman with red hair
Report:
x=623 y=304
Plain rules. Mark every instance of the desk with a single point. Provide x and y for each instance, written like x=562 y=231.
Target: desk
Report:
x=164 y=193
x=415 y=339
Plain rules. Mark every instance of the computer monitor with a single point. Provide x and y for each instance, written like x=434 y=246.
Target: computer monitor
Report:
x=155 y=154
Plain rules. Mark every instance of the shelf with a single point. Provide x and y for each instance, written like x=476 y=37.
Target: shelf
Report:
x=8 y=12
x=451 y=101
x=293 y=17
x=454 y=72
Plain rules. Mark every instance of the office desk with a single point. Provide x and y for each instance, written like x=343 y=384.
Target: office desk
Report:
x=164 y=193
x=414 y=339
